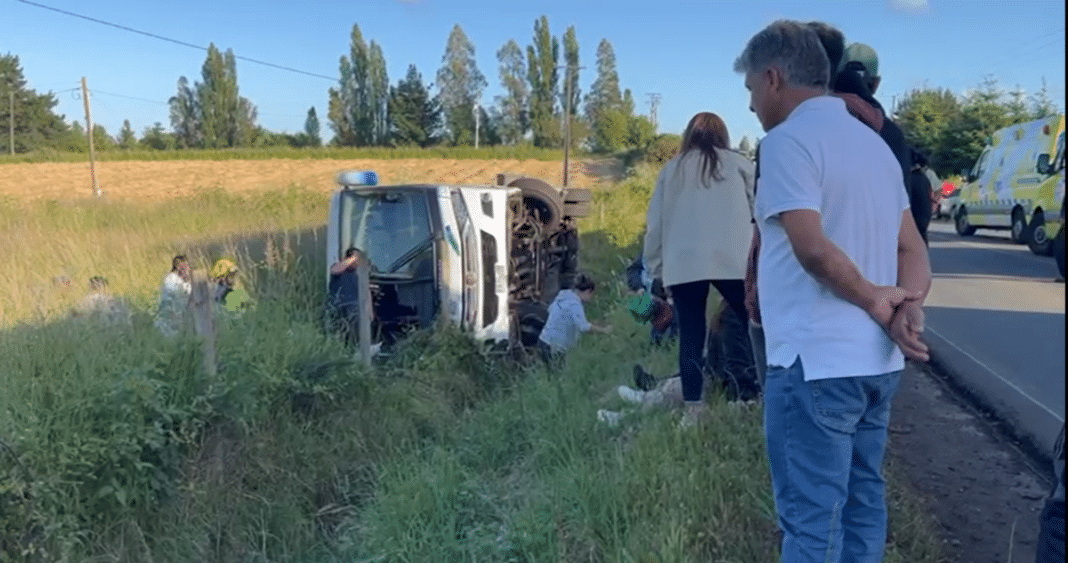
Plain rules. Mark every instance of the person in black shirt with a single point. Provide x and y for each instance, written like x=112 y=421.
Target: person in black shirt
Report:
x=343 y=295
x=919 y=193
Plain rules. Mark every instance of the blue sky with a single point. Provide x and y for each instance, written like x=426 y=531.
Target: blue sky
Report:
x=683 y=50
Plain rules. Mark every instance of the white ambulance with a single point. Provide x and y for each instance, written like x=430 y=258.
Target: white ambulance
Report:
x=1017 y=184
x=487 y=258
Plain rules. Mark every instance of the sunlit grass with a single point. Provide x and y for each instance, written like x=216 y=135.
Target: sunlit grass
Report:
x=116 y=445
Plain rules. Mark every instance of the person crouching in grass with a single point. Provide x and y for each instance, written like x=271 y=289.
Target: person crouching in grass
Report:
x=566 y=321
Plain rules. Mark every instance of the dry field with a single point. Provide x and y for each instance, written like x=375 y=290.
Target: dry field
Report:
x=152 y=181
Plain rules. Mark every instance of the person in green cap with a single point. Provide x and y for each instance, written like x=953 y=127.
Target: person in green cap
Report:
x=228 y=291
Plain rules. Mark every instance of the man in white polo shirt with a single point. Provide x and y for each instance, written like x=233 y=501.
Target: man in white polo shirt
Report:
x=843 y=275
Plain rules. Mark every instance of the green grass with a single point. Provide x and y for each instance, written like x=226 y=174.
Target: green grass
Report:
x=117 y=446
x=522 y=152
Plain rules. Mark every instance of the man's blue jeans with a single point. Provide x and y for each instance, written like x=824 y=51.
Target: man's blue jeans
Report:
x=826 y=440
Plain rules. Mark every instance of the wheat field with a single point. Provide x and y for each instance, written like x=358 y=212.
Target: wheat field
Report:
x=156 y=180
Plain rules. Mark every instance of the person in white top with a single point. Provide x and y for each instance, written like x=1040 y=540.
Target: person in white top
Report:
x=174 y=296
x=567 y=320
x=843 y=275
x=698 y=227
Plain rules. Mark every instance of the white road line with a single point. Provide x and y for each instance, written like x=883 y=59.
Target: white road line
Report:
x=995 y=374
x=987 y=246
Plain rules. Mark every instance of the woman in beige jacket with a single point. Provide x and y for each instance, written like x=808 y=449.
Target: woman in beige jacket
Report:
x=698 y=228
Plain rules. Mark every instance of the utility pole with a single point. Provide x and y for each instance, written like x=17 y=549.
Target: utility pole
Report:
x=567 y=116
x=474 y=108
x=654 y=100
x=89 y=132
x=11 y=123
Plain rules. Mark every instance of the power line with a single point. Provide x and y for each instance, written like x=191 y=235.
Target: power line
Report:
x=94 y=91
x=175 y=41
x=1016 y=60
x=1026 y=48
x=129 y=97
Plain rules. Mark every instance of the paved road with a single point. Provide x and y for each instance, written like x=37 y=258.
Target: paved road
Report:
x=995 y=322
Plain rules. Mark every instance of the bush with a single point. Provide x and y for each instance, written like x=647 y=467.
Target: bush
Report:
x=657 y=152
x=663 y=148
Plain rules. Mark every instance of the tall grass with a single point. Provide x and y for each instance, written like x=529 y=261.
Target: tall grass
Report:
x=523 y=152
x=132 y=244
x=117 y=445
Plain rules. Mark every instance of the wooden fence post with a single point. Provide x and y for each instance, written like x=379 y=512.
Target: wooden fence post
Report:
x=364 y=304
x=204 y=322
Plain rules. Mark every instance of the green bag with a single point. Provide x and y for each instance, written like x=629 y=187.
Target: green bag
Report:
x=641 y=308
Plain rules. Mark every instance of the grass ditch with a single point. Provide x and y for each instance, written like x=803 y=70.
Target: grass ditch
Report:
x=117 y=447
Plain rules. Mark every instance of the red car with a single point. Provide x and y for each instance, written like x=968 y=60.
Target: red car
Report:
x=938 y=209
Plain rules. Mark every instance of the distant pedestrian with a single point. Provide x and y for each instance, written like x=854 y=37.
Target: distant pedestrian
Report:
x=101 y=304
x=567 y=320
x=697 y=228
x=837 y=240
x=921 y=190
x=174 y=296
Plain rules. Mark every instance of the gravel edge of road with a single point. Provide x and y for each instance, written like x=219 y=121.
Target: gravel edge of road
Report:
x=983 y=486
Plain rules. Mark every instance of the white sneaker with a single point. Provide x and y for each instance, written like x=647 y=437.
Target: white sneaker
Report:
x=692 y=415
x=610 y=418
x=653 y=398
x=738 y=403
x=630 y=395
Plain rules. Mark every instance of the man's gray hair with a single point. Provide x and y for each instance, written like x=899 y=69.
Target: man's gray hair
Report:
x=792 y=47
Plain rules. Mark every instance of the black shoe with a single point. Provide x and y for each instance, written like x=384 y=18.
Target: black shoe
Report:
x=644 y=380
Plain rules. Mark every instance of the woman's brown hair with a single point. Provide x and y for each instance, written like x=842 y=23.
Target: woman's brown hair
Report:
x=706 y=132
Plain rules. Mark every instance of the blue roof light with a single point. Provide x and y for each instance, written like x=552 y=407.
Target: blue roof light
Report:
x=357 y=178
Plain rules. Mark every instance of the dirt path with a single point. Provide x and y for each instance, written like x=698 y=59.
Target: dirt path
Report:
x=985 y=491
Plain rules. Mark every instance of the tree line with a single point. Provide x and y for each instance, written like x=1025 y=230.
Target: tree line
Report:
x=952 y=130
x=539 y=84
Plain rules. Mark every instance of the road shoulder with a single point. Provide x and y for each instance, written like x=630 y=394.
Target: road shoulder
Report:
x=985 y=491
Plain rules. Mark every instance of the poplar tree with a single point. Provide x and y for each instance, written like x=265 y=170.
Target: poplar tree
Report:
x=212 y=113
x=570 y=95
x=571 y=72
x=513 y=118
x=352 y=104
x=226 y=119
x=460 y=86
x=604 y=103
x=377 y=95
x=542 y=57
